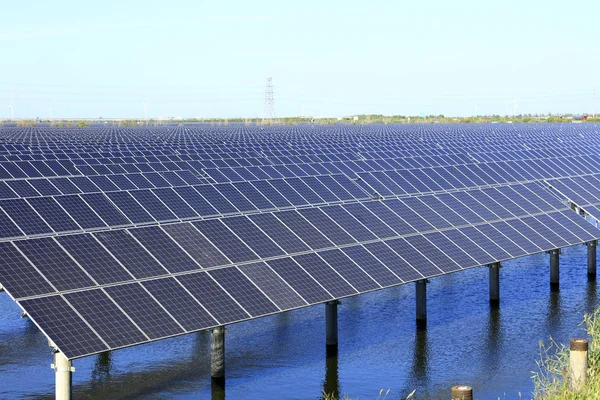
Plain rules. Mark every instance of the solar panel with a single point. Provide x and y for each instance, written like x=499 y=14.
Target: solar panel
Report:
x=19 y=276
x=223 y=225
x=53 y=214
x=130 y=252
x=180 y=304
x=53 y=314
x=25 y=217
x=221 y=306
x=226 y=241
x=299 y=280
x=141 y=307
x=112 y=325
x=244 y=291
x=196 y=245
x=55 y=264
x=94 y=258
x=164 y=249
x=273 y=286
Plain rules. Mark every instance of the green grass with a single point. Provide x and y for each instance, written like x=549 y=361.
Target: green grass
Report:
x=551 y=380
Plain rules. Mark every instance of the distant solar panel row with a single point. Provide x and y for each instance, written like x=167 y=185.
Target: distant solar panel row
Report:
x=65 y=213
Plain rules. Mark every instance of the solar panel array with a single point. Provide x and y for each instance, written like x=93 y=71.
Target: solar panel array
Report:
x=116 y=236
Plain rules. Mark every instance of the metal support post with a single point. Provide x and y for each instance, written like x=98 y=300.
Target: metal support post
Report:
x=494 y=283
x=331 y=338
x=63 y=369
x=217 y=352
x=421 y=296
x=591 y=258
x=554 y=267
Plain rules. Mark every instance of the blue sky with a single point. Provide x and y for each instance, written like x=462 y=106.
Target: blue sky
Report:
x=202 y=59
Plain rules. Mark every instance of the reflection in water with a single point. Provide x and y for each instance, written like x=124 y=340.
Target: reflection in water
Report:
x=420 y=355
x=217 y=388
x=494 y=338
x=591 y=298
x=331 y=383
x=553 y=312
x=101 y=370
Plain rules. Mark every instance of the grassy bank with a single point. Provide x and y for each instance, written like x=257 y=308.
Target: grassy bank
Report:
x=551 y=380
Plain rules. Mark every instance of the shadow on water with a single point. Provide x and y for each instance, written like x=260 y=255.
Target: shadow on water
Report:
x=331 y=383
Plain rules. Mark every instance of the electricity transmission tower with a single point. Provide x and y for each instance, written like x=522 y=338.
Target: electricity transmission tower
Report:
x=269 y=115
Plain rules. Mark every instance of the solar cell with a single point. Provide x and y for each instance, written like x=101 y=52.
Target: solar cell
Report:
x=105 y=209
x=486 y=243
x=80 y=211
x=21 y=187
x=279 y=233
x=130 y=207
x=384 y=211
x=235 y=197
x=481 y=256
x=371 y=265
x=153 y=205
x=515 y=236
x=349 y=270
x=196 y=201
x=252 y=236
x=55 y=264
x=8 y=227
x=327 y=226
x=216 y=199
x=370 y=220
x=175 y=203
x=325 y=275
x=390 y=258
